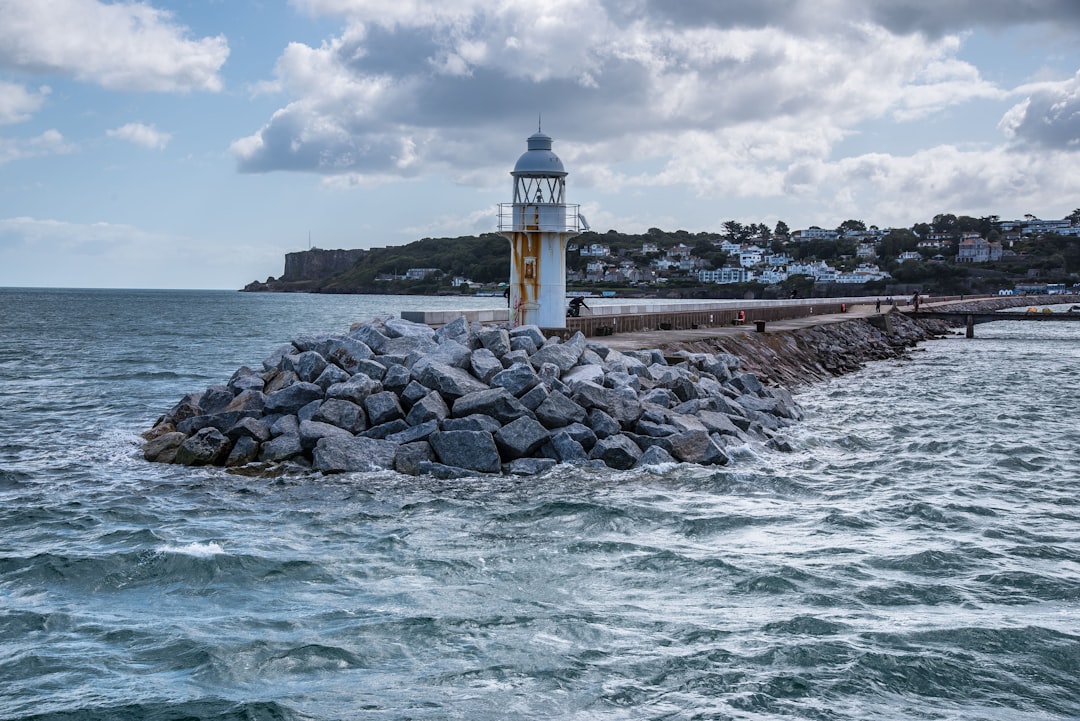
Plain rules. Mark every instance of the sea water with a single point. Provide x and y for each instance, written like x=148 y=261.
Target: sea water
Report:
x=916 y=557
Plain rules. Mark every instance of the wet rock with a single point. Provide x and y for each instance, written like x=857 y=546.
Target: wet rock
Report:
x=474 y=422
x=520 y=438
x=568 y=450
x=207 y=447
x=494 y=402
x=409 y=456
x=451 y=382
x=414 y=433
x=335 y=454
x=557 y=410
x=616 y=451
x=341 y=413
x=382 y=408
x=383 y=430
x=517 y=379
x=484 y=364
x=654 y=456
x=281 y=448
x=474 y=450
x=293 y=398
x=430 y=407
x=244 y=451
x=162 y=449
x=312 y=431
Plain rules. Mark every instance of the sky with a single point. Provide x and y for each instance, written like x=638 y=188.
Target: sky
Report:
x=191 y=144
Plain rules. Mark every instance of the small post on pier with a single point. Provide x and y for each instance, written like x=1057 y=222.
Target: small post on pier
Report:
x=970 y=326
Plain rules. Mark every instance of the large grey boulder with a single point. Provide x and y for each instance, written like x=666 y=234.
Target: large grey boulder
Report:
x=344 y=351
x=293 y=398
x=430 y=407
x=250 y=427
x=567 y=449
x=580 y=433
x=521 y=438
x=616 y=451
x=517 y=379
x=409 y=456
x=371 y=368
x=312 y=431
x=496 y=340
x=601 y=423
x=474 y=450
x=484 y=364
x=397 y=377
x=341 y=413
x=583 y=374
x=456 y=330
x=474 y=422
x=531 y=332
x=557 y=410
x=621 y=404
x=276 y=380
x=273 y=360
x=335 y=454
x=214 y=399
x=562 y=355
x=382 y=408
x=245 y=379
x=281 y=448
x=654 y=456
x=208 y=447
x=401 y=328
x=414 y=433
x=697 y=447
x=494 y=402
x=163 y=448
x=331 y=375
x=188 y=407
x=244 y=451
x=717 y=422
x=747 y=383
x=533 y=398
x=451 y=382
x=307 y=365
x=389 y=428
x=285 y=424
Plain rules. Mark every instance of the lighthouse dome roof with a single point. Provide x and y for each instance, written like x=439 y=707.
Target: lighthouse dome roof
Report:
x=538 y=160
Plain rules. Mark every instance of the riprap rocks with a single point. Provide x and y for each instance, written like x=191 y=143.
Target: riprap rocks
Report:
x=469 y=399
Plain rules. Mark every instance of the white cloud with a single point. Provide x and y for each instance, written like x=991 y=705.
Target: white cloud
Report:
x=51 y=142
x=1049 y=116
x=120 y=46
x=18 y=104
x=412 y=88
x=145 y=135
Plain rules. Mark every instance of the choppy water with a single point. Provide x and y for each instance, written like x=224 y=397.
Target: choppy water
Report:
x=917 y=557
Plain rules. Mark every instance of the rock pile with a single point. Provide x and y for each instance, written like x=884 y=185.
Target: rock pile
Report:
x=470 y=399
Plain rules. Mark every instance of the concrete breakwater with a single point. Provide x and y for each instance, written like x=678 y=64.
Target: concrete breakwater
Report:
x=469 y=399
x=817 y=352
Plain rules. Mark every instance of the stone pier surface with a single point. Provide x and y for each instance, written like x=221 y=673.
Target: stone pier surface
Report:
x=471 y=399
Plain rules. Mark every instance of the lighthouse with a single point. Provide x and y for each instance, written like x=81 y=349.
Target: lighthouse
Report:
x=538 y=223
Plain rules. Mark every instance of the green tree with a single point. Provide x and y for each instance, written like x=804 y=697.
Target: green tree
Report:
x=784 y=232
x=850 y=225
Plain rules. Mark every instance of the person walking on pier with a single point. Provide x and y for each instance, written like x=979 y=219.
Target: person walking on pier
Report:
x=915 y=301
x=877 y=305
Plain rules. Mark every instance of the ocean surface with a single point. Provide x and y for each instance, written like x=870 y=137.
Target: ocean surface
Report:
x=916 y=557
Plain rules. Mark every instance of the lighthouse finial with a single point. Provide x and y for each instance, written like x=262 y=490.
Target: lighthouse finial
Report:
x=538 y=119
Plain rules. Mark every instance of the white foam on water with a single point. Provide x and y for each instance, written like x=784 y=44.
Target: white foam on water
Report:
x=198 y=550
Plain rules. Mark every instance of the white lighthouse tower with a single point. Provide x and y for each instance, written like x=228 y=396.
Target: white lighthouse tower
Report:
x=538 y=224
